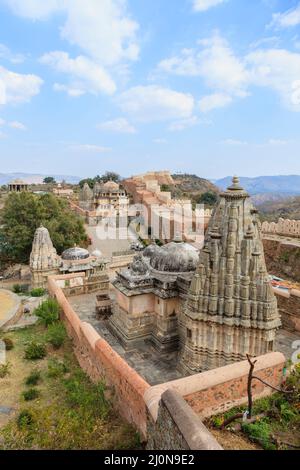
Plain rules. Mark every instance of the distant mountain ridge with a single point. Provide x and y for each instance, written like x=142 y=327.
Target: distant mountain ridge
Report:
x=31 y=178
x=288 y=185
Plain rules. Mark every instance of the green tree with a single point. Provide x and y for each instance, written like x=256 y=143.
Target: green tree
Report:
x=210 y=198
x=49 y=180
x=110 y=176
x=23 y=213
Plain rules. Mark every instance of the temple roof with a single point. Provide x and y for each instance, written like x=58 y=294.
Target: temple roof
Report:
x=75 y=253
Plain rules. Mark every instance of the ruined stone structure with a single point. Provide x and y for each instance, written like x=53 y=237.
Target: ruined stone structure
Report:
x=231 y=309
x=18 y=186
x=44 y=260
x=148 y=295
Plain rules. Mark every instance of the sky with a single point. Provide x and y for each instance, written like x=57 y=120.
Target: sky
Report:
x=210 y=87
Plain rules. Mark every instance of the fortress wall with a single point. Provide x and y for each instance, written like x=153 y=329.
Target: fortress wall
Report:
x=283 y=227
x=289 y=308
x=101 y=362
x=282 y=257
x=218 y=390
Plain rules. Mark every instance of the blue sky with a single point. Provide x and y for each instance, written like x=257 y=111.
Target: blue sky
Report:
x=210 y=87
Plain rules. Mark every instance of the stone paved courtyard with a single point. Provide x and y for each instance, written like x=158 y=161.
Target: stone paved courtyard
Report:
x=153 y=366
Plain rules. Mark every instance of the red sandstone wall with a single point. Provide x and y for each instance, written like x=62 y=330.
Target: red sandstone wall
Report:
x=101 y=362
x=217 y=390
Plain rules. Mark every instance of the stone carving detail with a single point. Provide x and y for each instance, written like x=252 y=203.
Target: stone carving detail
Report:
x=230 y=309
x=43 y=258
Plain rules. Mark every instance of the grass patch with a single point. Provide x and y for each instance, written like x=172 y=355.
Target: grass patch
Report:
x=31 y=394
x=56 y=335
x=70 y=413
x=48 y=312
x=34 y=378
x=35 y=351
x=5 y=370
x=38 y=292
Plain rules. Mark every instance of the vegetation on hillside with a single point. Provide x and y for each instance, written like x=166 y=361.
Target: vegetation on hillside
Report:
x=108 y=176
x=23 y=213
x=288 y=208
x=199 y=190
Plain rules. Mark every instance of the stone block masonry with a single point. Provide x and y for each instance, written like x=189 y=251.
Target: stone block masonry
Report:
x=178 y=427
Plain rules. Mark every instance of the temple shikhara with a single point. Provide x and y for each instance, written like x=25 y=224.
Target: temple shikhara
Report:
x=231 y=309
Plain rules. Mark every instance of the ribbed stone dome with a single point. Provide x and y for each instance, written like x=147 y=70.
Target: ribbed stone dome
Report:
x=174 y=257
x=75 y=253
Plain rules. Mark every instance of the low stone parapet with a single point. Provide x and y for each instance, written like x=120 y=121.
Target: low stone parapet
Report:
x=218 y=390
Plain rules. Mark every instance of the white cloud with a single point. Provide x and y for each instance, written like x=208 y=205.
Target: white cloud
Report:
x=103 y=29
x=120 y=125
x=234 y=142
x=178 y=126
x=90 y=148
x=279 y=70
x=153 y=103
x=278 y=142
x=35 y=9
x=203 y=5
x=18 y=88
x=215 y=62
x=231 y=77
x=5 y=53
x=216 y=100
x=2 y=122
x=85 y=75
x=160 y=141
x=17 y=125
x=287 y=19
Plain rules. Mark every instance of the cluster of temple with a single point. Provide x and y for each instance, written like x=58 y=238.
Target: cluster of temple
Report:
x=214 y=305
x=104 y=198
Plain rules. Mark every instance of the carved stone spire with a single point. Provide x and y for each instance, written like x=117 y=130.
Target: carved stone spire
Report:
x=43 y=258
x=231 y=295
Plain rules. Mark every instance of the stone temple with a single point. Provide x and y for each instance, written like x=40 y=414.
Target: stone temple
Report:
x=231 y=309
x=215 y=306
x=44 y=262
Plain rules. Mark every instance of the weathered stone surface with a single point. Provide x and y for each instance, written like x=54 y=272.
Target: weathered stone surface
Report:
x=44 y=260
x=178 y=427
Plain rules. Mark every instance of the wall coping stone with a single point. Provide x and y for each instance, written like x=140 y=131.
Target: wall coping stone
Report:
x=196 y=435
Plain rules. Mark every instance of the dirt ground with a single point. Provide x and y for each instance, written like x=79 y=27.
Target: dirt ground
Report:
x=6 y=303
x=231 y=441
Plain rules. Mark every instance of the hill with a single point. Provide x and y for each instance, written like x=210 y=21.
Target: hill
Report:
x=287 y=185
x=192 y=187
x=288 y=208
x=5 y=178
